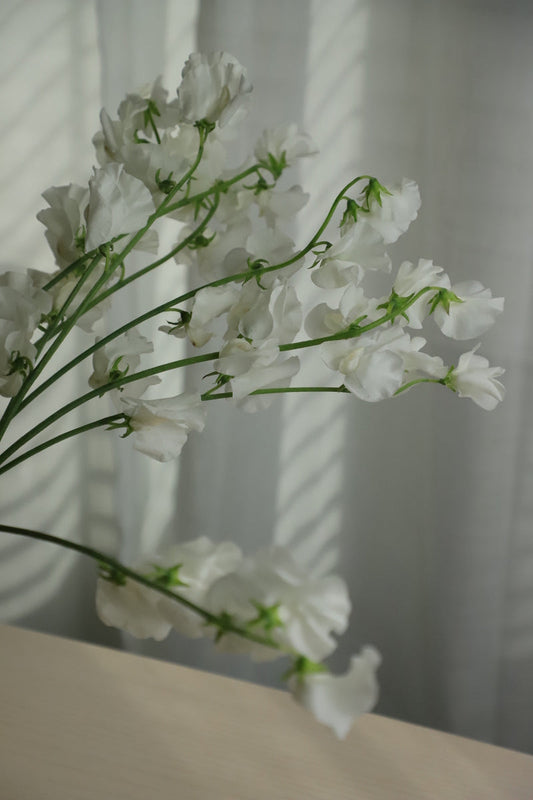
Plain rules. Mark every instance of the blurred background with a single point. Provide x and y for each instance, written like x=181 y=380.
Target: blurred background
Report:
x=424 y=503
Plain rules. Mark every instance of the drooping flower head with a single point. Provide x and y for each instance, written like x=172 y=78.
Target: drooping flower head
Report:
x=213 y=87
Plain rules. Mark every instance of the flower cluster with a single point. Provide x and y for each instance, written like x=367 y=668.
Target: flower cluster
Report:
x=168 y=158
x=265 y=606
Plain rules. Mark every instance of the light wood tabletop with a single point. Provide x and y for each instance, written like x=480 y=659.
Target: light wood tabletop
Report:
x=80 y=722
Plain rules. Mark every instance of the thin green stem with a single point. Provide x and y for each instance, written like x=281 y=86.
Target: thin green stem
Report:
x=116 y=384
x=15 y=402
x=419 y=380
x=145 y=270
x=62 y=436
x=280 y=390
x=222 y=623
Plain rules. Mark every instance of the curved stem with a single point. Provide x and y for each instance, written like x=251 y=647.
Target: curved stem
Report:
x=16 y=402
x=62 y=436
x=212 y=619
x=117 y=384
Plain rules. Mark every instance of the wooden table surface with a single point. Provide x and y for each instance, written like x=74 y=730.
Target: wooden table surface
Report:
x=80 y=722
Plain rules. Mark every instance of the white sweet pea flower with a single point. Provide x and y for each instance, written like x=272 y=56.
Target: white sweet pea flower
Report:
x=187 y=569
x=252 y=368
x=250 y=315
x=396 y=212
x=305 y=610
x=275 y=204
x=225 y=255
x=201 y=562
x=131 y=607
x=118 y=204
x=372 y=365
x=213 y=87
x=359 y=248
x=473 y=315
x=285 y=143
x=411 y=279
x=275 y=247
x=286 y=313
x=473 y=377
x=326 y=321
x=160 y=427
x=208 y=304
x=119 y=357
x=65 y=221
x=337 y=700
x=22 y=305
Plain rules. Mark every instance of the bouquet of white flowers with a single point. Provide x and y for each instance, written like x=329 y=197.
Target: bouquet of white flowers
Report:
x=167 y=159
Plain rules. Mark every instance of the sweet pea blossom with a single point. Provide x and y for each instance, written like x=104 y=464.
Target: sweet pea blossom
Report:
x=359 y=248
x=131 y=607
x=251 y=368
x=473 y=377
x=213 y=87
x=208 y=304
x=118 y=204
x=411 y=279
x=337 y=700
x=22 y=304
x=285 y=143
x=473 y=313
x=323 y=320
x=187 y=569
x=65 y=221
x=372 y=365
x=305 y=611
x=396 y=210
x=201 y=563
x=160 y=427
x=120 y=357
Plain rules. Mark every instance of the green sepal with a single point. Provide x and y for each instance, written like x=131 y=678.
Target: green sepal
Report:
x=396 y=305
x=267 y=617
x=373 y=191
x=205 y=126
x=275 y=165
x=111 y=574
x=350 y=212
x=443 y=298
x=303 y=666
x=167 y=577
x=165 y=185
x=19 y=363
x=200 y=241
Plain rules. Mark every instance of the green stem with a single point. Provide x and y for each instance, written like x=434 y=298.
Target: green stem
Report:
x=116 y=566
x=219 y=186
x=419 y=380
x=15 y=402
x=280 y=390
x=117 y=384
x=181 y=246
x=62 y=436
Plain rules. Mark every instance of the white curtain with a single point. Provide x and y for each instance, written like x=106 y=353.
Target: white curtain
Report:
x=424 y=502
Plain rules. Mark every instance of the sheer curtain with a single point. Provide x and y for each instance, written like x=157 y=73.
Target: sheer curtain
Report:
x=423 y=502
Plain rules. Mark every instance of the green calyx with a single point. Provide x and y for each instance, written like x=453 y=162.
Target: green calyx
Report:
x=111 y=574
x=274 y=165
x=267 y=617
x=444 y=297
x=373 y=191
x=168 y=577
x=303 y=666
x=396 y=305
x=350 y=212
x=19 y=363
